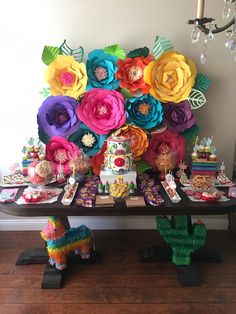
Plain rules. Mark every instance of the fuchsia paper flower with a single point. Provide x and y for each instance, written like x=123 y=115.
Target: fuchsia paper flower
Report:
x=102 y=110
x=60 y=151
x=174 y=141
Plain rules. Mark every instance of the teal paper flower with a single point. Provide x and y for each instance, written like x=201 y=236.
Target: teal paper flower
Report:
x=101 y=69
x=89 y=141
x=145 y=111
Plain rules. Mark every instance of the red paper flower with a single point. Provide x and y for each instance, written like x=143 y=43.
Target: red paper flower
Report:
x=60 y=151
x=174 y=141
x=98 y=160
x=130 y=74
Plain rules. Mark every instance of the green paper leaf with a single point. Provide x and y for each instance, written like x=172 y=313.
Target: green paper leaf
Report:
x=115 y=50
x=196 y=99
x=138 y=52
x=77 y=53
x=49 y=54
x=126 y=93
x=43 y=136
x=141 y=166
x=190 y=137
x=161 y=45
x=202 y=82
x=45 y=92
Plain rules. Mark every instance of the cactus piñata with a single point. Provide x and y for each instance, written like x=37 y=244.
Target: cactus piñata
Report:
x=182 y=236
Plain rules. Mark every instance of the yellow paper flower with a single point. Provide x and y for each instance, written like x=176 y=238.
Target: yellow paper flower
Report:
x=138 y=139
x=171 y=77
x=66 y=76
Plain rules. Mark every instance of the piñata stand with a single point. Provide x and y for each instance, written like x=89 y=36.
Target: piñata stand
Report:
x=185 y=245
x=64 y=245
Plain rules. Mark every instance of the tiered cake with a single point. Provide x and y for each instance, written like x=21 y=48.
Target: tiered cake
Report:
x=118 y=160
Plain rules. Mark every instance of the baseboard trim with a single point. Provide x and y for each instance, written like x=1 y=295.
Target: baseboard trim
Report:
x=102 y=223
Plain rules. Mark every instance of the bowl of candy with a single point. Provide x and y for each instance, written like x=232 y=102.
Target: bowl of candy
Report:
x=119 y=190
x=41 y=172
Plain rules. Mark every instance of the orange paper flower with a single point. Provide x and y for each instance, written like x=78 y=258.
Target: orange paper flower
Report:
x=138 y=139
x=171 y=77
x=97 y=160
x=130 y=74
x=66 y=76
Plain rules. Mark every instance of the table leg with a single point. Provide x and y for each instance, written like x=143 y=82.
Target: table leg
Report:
x=34 y=256
x=184 y=247
x=53 y=277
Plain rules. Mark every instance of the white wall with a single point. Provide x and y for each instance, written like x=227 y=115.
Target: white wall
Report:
x=26 y=26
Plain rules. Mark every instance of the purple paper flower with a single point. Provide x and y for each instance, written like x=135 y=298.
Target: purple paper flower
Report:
x=178 y=117
x=57 y=116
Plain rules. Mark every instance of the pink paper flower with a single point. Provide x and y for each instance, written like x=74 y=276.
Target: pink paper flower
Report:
x=60 y=151
x=102 y=110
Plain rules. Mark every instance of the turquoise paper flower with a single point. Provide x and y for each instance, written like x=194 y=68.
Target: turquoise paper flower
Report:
x=101 y=69
x=89 y=141
x=144 y=111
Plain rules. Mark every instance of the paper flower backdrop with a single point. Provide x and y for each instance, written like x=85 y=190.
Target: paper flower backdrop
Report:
x=57 y=116
x=178 y=117
x=89 y=141
x=60 y=152
x=102 y=110
x=148 y=96
x=66 y=76
x=101 y=69
x=130 y=73
x=144 y=111
x=171 y=77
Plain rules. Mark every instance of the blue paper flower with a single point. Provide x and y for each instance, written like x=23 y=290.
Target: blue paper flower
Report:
x=89 y=141
x=101 y=69
x=144 y=111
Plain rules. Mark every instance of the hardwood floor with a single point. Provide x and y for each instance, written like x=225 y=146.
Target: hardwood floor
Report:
x=121 y=284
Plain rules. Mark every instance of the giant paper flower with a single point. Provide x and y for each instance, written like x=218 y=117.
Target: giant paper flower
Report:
x=60 y=151
x=174 y=141
x=57 y=116
x=89 y=141
x=102 y=110
x=171 y=77
x=101 y=69
x=178 y=117
x=144 y=111
x=130 y=74
x=138 y=139
x=97 y=160
x=66 y=76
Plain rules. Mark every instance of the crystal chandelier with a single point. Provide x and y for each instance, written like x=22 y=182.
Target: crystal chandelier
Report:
x=209 y=28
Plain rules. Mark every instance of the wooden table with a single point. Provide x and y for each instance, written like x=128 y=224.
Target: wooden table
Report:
x=187 y=276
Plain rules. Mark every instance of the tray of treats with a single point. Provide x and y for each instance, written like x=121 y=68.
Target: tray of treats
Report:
x=39 y=196
x=69 y=194
x=212 y=195
x=15 y=179
x=173 y=195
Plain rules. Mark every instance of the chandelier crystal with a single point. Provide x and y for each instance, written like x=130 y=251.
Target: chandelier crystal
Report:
x=208 y=28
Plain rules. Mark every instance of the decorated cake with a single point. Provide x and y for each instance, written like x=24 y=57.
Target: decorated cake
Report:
x=118 y=160
x=118 y=157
